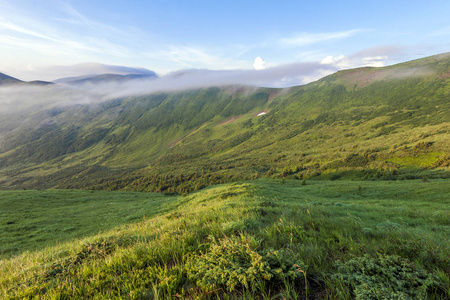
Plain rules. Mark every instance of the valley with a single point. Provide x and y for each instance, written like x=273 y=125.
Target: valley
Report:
x=340 y=190
x=369 y=123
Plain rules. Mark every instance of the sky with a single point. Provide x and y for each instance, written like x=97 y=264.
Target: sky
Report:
x=259 y=36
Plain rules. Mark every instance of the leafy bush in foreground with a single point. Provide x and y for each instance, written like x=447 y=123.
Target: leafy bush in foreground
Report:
x=233 y=263
x=387 y=277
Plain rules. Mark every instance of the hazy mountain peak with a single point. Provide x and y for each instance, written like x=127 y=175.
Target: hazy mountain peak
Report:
x=92 y=68
x=89 y=69
x=105 y=78
x=6 y=79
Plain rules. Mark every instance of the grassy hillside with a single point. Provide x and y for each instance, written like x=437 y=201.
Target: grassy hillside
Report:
x=264 y=239
x=367 y=123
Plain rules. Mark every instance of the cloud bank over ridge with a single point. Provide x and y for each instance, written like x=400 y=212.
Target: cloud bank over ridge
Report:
x=13 y=98
x=282 y=76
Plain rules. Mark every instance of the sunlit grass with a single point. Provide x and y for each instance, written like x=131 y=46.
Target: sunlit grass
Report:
x=423 y=160
x=285 y=228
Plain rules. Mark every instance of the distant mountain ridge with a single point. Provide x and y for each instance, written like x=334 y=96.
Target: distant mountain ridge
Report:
x=122 y=75
x=89 y=70
x=105 y=78
x=371 y=123
x=9 y=80
x=6 y=79
x=97 y=69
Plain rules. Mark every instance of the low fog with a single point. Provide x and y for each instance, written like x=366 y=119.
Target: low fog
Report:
x=18 y=97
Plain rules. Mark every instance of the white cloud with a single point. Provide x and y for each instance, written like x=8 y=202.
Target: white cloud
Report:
x=13 y=98
x=320 y=73
x=259 y=64
x=354 y=61
x=339 y=61
x=5 y=25
x=374 y=61
x=42 y=42
x=313 y=38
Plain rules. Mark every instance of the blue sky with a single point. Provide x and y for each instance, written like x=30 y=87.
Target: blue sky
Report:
x=166 y=36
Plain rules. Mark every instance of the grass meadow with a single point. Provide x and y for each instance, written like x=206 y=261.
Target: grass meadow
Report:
x=262 y=239
x=30 y=220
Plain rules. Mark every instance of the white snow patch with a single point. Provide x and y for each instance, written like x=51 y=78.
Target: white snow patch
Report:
x=261 y=114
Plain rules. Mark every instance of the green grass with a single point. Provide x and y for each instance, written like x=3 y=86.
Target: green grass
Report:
x=264 y=239
x=423 y=160
x=30 y=220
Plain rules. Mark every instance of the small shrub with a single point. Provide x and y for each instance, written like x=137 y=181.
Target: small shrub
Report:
x=283 y=264
x=387 y=277
x=230 y=263
x=233 y=264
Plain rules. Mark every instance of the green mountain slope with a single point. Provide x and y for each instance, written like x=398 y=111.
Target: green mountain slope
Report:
x=370 y=123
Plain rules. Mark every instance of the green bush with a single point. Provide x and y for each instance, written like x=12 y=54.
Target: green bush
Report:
x=387 y=277
x=232 y=264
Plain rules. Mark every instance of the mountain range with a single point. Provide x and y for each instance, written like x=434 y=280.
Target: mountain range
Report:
x=91 y=74
x=8 y=80
x=372 y=123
